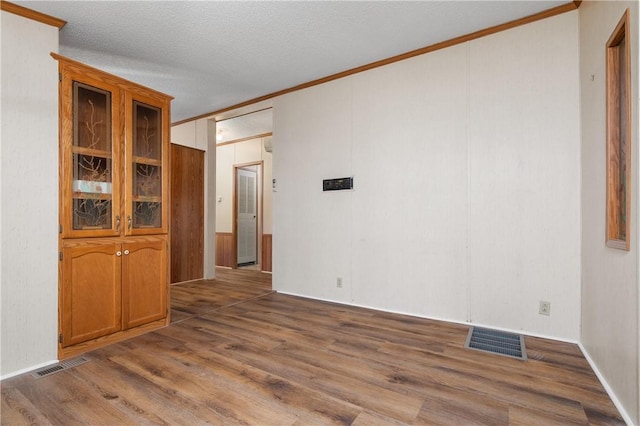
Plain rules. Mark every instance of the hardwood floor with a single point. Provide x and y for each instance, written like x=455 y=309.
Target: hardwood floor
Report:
x=230 y=286
x=237 y=353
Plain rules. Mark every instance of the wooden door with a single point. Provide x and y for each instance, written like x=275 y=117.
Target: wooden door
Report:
x=144 y=280
x=187 y=213
x=91 y=294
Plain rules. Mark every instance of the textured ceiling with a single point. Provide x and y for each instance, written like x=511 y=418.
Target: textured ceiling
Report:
x=211 y=55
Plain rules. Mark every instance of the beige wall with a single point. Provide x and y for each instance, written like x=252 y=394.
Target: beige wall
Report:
x=28 y=195
x=610 y=331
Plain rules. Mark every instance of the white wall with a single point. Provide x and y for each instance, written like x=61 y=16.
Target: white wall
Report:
x=409 y=214
x=466 y=164
x=193 y=134
x=29 y=195
x=524 y=176
x=609 y=276
x=201 y=134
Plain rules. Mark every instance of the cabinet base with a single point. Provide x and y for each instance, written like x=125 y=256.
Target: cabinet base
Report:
x=80 y=348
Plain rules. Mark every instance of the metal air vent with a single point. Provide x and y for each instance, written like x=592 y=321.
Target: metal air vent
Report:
x=496 y=342
x=52 y=369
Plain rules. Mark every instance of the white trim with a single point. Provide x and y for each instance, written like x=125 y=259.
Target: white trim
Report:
x=606 y=386
x=469 y=323
x=29 y=369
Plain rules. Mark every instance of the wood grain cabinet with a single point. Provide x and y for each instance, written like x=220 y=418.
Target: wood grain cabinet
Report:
x=91 y=299
x=144 y=281
x=114 y=148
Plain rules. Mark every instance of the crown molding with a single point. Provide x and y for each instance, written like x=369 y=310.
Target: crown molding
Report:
x=31 y=14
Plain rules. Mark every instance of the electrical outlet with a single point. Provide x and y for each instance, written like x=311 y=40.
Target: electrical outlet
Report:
x=545 y=308
x=339 y=282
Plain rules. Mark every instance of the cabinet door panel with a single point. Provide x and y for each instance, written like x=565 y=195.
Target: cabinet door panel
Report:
x=147 y=161
x=90 y=140
x=144 y=281
x=91 y=294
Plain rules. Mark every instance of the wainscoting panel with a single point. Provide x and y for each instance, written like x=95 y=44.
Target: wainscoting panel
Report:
x=224 y=249
x=266 y=252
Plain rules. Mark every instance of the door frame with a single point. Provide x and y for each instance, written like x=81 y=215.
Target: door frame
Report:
x=234 y=229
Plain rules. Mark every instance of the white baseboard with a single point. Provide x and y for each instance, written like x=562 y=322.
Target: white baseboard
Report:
x=606 y=386
x=435 y=318
x=28 y=369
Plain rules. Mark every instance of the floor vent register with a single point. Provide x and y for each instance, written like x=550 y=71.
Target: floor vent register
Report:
x=56 y=368
x=496 y=342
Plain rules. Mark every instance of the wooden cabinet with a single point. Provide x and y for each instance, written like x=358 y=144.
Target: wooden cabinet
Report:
x=109 y=285
x=114 y=148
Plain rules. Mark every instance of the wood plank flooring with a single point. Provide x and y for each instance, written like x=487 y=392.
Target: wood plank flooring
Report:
x=230 y=286
x=237 y=353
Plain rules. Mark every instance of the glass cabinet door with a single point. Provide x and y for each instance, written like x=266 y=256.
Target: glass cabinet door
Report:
x=92 y=154
x=146 y=210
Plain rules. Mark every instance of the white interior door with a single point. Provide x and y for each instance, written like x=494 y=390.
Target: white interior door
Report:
x=247 y=213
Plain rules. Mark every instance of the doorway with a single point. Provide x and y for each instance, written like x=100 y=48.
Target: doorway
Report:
x=248 y=218
x=243 y=140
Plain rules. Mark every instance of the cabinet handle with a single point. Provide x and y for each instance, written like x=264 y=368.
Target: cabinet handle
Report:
x=129 y=222
x=118 y=253
x=117 y=223
x=126 y=252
